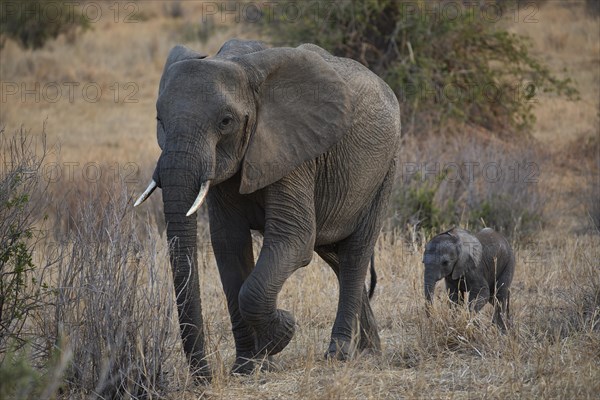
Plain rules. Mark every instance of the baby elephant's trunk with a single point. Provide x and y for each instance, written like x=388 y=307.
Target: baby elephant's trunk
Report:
x=429 y=284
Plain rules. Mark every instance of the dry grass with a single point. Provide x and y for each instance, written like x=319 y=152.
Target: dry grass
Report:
x=566 y=39
x=551 y=352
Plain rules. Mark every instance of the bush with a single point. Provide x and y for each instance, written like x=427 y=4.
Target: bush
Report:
x=173 y=9
x=20 y=292
x=591 y=197
x=97 y=315
x=33 y=22
x=416 y=205
x=468 y=181
x=19 y=379
x=113 y=298
x=449 y=64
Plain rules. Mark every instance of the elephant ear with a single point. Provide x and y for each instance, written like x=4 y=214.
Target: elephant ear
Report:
x=303 y=109
x=469 y=255
x=177 y=53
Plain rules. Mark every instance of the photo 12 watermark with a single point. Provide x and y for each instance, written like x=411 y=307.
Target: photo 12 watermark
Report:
x=322 y=11
x=69 y=11
x=71 y=92
x=77 y=171
x=470 y=171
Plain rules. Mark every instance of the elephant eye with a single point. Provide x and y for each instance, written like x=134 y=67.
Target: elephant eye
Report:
x=226 y=121
x=445 y=263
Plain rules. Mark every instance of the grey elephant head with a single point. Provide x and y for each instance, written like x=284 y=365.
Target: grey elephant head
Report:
x=239 y=113
x=449 y=254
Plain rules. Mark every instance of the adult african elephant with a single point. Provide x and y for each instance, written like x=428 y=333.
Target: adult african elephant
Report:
x=482 y=264
x=294 y=143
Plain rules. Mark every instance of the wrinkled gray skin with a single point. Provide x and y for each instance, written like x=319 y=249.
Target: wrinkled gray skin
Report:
x=298 y=145
x=482 y=264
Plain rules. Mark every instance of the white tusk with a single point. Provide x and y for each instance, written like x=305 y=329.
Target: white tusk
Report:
x=151 y=187
x=200 y=199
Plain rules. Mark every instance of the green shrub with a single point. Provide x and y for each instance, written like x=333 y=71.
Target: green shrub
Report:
x=19 y=379
x=29 y=367
x=416 y=206
x=19 y=290
x=500 y=212
x=33 y=22
x=444 y=60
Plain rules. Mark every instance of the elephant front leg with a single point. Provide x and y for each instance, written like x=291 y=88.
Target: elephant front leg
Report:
x=289 y=238
x=478 y=297
x=258 y=296
x=232 y=246
x=452 y=289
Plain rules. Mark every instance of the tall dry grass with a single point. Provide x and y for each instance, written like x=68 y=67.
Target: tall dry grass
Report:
x=113 y=303
x=109 y=311
x=112 y=310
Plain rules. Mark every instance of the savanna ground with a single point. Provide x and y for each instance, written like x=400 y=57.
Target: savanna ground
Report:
x=110 y=303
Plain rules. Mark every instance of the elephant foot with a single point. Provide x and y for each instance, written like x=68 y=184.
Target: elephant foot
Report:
x=339 y=349
x=501 y=324
x=369 y=335
x=200 y=371
x=369 y=343
x=243 y=365
x=277 y=334
x=247 y=366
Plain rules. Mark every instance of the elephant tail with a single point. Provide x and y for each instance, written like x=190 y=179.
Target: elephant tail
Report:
x=373 y=277
x=508 y=305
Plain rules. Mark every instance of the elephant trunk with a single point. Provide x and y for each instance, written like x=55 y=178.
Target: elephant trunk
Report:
x=430 y=280
x=180 y=186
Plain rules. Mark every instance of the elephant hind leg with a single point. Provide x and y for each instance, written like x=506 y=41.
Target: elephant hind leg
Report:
x=501 y=309
x=498 y=319
x=354 y=254
x=502 y=299
x=369 y=335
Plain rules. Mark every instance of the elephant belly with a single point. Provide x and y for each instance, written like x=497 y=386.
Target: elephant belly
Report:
x=349 y=175
x=343 y=201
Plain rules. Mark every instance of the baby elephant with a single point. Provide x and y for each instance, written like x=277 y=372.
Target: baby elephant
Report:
x=482 y=264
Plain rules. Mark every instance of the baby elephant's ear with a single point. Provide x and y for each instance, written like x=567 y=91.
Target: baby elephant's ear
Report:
x=470 y=250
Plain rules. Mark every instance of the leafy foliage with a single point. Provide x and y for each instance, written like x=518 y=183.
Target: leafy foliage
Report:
x=19 y=290
x=22 y=294
x=416 y=204
x=33 y=22
x=444 y=60
x=19 y=379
